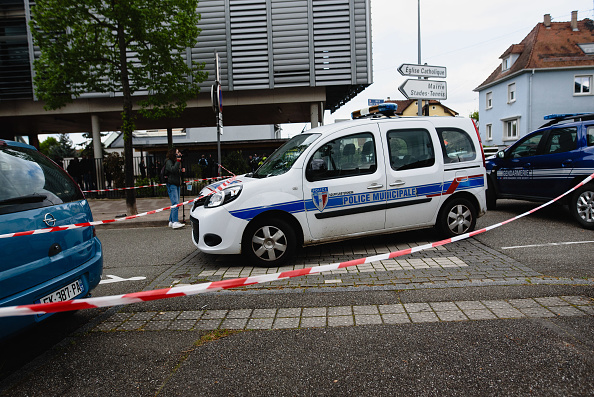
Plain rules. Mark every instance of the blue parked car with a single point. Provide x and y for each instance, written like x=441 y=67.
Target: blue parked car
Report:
x=546 y=163
x=35 y=193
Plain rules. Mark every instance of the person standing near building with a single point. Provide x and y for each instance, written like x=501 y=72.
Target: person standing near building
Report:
x=173 y=170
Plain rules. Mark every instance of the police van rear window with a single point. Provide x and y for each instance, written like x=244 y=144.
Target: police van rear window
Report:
x=456 y=145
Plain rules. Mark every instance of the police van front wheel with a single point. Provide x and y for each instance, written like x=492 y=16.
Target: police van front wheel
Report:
x=582 y=206
x=269 y=242
x=456 y=217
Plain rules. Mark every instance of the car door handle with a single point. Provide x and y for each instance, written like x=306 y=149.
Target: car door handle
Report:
x=375 y=186
x=397 y=183
x=566 y=163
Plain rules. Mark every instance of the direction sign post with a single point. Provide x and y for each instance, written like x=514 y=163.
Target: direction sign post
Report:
x=407 y=69
x=424 y=89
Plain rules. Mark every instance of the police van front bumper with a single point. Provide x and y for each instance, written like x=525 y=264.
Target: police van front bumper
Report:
x=216 y=231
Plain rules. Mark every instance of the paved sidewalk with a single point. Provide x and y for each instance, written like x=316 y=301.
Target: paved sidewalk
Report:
x=107 y=209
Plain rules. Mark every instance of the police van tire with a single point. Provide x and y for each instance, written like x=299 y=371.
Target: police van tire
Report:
x=581 y=206
x=269 y=242
x=456 y=217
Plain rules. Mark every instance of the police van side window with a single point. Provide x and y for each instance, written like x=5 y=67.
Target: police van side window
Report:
x=456 y=145
x=590 y=135
x=346 y=156
x=410 y=149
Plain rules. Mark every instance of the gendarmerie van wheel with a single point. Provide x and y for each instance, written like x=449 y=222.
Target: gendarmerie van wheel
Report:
x=269 y=242
x=456 y=217
x=581 y=206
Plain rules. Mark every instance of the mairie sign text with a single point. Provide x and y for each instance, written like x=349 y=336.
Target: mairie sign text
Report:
x=424 y=89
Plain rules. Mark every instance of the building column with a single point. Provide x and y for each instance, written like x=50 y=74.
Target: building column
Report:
x=97 y=151
x=314 y=114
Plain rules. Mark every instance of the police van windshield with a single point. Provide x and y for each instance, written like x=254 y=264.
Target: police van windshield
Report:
x=284 y=157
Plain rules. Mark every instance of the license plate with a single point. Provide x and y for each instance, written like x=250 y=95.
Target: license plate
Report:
x=65 y=293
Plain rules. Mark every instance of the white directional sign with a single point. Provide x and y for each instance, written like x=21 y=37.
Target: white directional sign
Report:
x=406 y=69
x=424 y=89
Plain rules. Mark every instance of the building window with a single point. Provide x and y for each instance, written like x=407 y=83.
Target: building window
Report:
x=582 y=85
x=511 y=93
x=489 y=132
x=489 y=100
x=506 y=64
x=510 y=129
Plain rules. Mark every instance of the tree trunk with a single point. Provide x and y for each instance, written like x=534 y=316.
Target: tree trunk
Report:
x=127 y=125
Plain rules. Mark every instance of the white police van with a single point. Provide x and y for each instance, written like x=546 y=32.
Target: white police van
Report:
x=361 y=177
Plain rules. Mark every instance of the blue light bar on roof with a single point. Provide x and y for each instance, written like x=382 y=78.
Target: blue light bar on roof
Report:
x=387 y=109
x=562 y=116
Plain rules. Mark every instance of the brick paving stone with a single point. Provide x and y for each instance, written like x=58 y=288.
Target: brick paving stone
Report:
x=142 y=316
x=497 y=304
x=451 y=315
x=537 y=312
x=341 y=321
x=313 y=322
x=239 y=313
x=156 y=325
x=234 y=323
x=181 y=325
x=395 y=318
x=107 y=326
x=391 y=309
x=586 y=309
x=131 y=325
x=423 y=317
x=551 y=301
x=288 y=312
x=190 y=315
x=443 y=306
x=208 y=324
x=314 y=311
x=214 y=314
x=166 y=315
x=120 y=316
x=524 y=303
x=367 y=319
x=578 y=300
x=566 y=311
x=367 y=309
x=470 y=305
x=417 y=307
x=259 y=323
x=479 y=314
x=287 y=322
x=340 y=311
x=507 y=313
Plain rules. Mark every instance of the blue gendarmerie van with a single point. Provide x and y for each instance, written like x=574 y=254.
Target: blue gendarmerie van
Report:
x=36 y=193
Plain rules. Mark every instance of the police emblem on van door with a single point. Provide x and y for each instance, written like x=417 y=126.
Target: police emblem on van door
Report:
x=319 y=196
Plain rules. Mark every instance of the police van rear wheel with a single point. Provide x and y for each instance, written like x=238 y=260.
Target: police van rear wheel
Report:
x=269 y=242
x=582 y=206
x=456 y=217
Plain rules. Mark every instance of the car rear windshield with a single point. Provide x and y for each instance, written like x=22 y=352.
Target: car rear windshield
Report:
x=30 y=180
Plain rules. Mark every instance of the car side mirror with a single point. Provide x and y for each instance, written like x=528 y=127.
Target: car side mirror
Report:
x=501 y=154
x=315 y=169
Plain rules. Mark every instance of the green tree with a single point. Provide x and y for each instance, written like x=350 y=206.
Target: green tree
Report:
x=474 y=115
x=46 y=146
x=56 y=149
x=107 y=46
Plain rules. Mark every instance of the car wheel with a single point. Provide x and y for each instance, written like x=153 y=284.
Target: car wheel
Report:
x=269 y=242
x=491 y=196
x=582 y=206
x=457 y=216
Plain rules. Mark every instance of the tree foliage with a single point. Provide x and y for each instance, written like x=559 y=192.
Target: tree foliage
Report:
x=57 y=150
x=474 y=115
x=103 y=46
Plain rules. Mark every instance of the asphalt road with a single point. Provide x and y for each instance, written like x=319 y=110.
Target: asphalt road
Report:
x=77 y=354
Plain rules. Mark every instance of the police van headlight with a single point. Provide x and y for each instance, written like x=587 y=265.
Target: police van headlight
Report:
x=223 y=196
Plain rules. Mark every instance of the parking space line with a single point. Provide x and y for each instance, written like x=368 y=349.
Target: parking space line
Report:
x=546 y=245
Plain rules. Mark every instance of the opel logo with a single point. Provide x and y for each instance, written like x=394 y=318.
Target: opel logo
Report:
x=49 y=220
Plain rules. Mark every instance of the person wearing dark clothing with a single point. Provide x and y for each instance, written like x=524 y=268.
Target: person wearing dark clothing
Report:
x=173 y=170
x=86 y=170
x=212 y=167
x=74 y=170
x=203 y=163
x=142 y=169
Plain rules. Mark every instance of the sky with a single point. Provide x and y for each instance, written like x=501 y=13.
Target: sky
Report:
x=465 y=36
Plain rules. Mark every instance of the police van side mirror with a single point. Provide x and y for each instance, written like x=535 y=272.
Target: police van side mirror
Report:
x=315 y=169
x=501 y=154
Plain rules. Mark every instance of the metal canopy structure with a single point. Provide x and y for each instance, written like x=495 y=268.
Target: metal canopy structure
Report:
x=281 y=62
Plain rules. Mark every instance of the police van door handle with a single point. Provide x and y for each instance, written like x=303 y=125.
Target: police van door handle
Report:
x=397 y=183
x=375 y=186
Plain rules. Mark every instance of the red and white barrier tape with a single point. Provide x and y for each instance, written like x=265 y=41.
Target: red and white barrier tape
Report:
x=158 y=184
x=188 y=290
x=86 y=224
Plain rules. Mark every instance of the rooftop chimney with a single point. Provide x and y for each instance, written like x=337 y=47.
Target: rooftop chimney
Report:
x=547 y=20
x=574 y=25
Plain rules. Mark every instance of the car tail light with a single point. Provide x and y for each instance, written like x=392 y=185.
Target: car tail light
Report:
x=480 y=142
x=2 y=143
